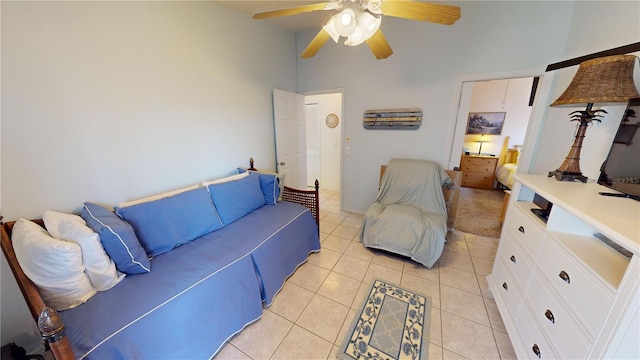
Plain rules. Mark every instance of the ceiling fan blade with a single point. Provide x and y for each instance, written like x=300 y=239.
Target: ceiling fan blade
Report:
x=291 y=11
x=414 y=10
x=315 y=44
x=379 y=46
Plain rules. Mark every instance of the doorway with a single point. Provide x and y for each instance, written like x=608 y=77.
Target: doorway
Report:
x=324 y=139
x=464 y=90
x=528 y=121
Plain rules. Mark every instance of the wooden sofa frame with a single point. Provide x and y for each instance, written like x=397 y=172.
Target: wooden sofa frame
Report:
x=59 y=345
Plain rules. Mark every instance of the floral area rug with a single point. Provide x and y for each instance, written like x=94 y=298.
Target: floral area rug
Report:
x=393 y=324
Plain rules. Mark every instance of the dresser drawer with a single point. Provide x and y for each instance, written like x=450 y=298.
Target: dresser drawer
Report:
x=524 y=228
x=560 y=328
x=478 y=167
x=535 y=344
x=516 y=261
x=581 y=290
x=508 y=290
x=477 y=180
x=489 y=162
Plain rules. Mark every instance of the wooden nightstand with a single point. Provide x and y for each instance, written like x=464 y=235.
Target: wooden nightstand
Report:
x=478 y=171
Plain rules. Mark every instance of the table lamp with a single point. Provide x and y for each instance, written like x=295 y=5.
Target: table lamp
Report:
x=601 y=80
x=481 y=140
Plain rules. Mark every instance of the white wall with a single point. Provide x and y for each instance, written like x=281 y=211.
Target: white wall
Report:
x=506 y=95
x=111 y=101
x=596 y=26
x=490 y=37
x=330 y=140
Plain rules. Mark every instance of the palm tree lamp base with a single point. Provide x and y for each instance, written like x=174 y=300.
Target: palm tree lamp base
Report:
x=567 y=176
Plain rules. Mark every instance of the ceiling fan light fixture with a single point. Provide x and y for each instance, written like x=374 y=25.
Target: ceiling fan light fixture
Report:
x=374 y=6
x=345 y=22
x=330 y=28
x=368 y=24
x=356 y=38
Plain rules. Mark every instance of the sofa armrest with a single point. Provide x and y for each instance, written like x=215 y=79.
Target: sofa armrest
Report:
x=308 y=198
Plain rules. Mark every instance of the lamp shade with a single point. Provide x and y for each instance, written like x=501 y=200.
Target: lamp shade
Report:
x=356 y=38
x=346 y=22
x=602 y=80
x=368 y=24
x=330 y=28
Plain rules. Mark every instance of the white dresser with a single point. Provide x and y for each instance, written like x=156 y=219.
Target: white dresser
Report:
x=562 y=292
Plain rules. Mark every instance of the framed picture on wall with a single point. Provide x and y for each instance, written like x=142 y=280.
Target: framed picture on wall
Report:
x=487 y=123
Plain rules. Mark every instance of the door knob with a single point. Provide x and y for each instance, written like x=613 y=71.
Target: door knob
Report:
x=282 y=163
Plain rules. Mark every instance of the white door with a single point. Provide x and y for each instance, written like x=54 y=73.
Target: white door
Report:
x=313 y=143
x=291 y=149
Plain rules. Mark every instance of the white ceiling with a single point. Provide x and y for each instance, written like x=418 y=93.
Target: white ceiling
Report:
x=295 y=23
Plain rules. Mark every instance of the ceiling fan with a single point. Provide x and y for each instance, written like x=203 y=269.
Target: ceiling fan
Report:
x=359 y=21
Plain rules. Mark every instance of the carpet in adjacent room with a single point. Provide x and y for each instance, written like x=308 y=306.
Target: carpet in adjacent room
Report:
x=479 y=211
x=393 y=323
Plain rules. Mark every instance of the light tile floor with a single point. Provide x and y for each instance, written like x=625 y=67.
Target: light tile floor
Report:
x=310 y=316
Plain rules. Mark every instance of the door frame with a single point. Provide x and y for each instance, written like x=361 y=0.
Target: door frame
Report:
x=340 y=126
x=536 y=121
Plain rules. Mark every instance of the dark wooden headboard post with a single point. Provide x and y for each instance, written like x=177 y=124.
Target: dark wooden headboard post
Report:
x=317 y=204
x=58 y=343
x=251 y=165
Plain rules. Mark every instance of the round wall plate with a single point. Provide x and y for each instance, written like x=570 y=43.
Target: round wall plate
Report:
x=332 y=120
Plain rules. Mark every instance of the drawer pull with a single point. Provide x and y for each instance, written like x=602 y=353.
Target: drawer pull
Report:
x=564 y=276
x=536 y=350
x=505 y=286
x=513 y=258
x=549 y=316
x=521 y=229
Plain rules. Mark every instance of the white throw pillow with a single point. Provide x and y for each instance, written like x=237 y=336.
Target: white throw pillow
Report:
x=226 y=179
x=158 y=196
x=55 y=266
x=98 y=265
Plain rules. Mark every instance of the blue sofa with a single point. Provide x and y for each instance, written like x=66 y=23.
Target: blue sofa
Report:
x=207 y=260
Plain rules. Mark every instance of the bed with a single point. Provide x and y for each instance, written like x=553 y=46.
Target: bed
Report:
x=196 y=296
x=508 y=167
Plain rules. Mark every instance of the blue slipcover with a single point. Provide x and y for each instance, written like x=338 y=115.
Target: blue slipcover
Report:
x=199 y=294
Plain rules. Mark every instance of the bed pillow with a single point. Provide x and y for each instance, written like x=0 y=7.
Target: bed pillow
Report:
x=226 y=179
x=118 y=239
x=158 y=196
x=163 y=224
x=235 y=199
x=98 y=266
x=266 y=183
x=54 y=266
x=270 y=188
